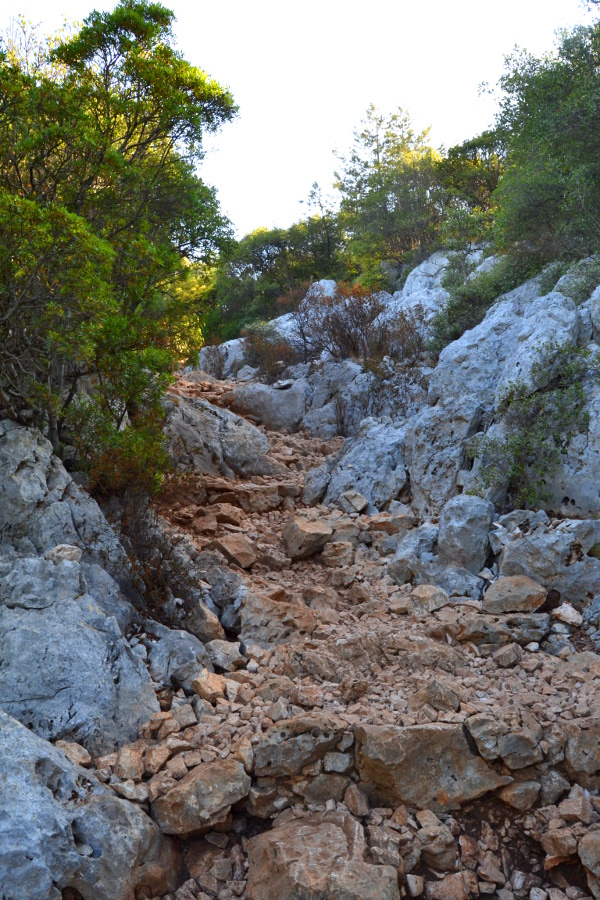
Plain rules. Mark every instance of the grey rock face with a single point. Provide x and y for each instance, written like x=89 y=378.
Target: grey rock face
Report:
x=277 y=410
x=464 y=527
x=41 y=506
x=416 y=561
x=559 y=558
x=216 y=441
x=435 y=450
x=177 y=658
x=50 y=808
x=372 y=463
x=65 y=669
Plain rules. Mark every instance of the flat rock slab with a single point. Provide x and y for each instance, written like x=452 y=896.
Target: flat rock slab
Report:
x=305 y=537
x=319 y=856
x=425 y=766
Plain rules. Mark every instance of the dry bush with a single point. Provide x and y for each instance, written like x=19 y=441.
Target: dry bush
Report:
x=354 y=323
x=268 y=351
x=215 y=358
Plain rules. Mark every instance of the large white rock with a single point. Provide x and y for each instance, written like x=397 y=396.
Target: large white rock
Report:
x=60 y=828
x=372 y=463
x=216 y=441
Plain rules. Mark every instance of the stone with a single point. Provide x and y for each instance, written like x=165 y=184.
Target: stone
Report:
x=371 y=463
x=42 y=508
x=429 y=597
x=463 y=540
x=67 y=672
x=582 y=750
x=321 y=855
x=305 y=537
x=589 y=852
x=215 y=441
x=557 y=558
x=338 y=554
x=268 y=622
x=415 y=885
x=516 y=593
x=439 y=850
x=521 y=795
x=130 y=763
x=225 y=655
x=441 y=696
x=203 y=798
x=554 y=786
x=425 y=766
x=236 y=548
x=295 y=743
x=560 y=842
x=204 y=624
x=209 y=686
x=75 y=752
x=459 y=886
x=568 y=614
x=276 y=409
x=176 y=658
x=356 y=801
x=51 y=811
x=508 y=656
x=352 y=501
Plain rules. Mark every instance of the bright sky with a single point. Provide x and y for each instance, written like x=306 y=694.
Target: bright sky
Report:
x=303 y=74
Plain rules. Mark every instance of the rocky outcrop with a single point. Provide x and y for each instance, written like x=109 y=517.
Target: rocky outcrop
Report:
x=60 y=828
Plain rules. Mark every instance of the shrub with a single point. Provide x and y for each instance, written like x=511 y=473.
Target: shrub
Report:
x=354 y=323
x=268 y=351
x=214 y=359
x=540 y=417
x=471 y=297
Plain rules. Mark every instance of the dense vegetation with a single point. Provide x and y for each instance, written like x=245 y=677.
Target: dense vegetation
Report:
x=100 y=134
x=116 y=262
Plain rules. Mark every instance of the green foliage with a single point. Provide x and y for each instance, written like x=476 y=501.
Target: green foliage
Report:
x=539 y=418
x=472 y=296
x=390 y=197
x=549 y=197
x=100 y=134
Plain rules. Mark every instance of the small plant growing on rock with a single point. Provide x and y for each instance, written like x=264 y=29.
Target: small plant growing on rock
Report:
x=540 y=417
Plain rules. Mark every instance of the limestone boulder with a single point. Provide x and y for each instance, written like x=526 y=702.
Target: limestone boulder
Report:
x=305 y=537
x=215 y=441
x=514 y=593
x=321 y=855
x=561 y=558
x=237 y=549
x=296 y=742
x=424 y=766
x=66 y=671
x=60 y=828
x=463 y=534
x=371 y=463
x=278 y=409
x=176 y=658
x=41 y=507
x=203 y=797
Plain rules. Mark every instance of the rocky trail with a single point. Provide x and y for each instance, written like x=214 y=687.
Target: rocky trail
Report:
x=341 y=749
x=346 y=691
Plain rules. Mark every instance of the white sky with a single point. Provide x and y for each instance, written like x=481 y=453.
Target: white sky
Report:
x=303 y=74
